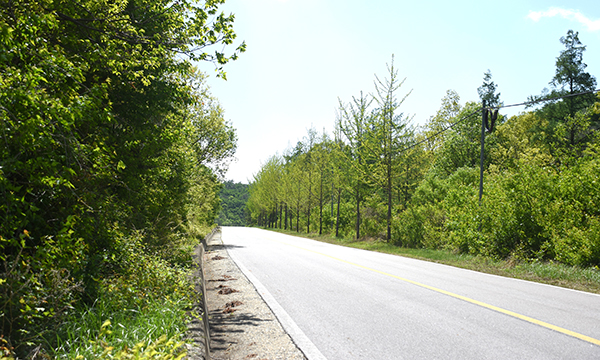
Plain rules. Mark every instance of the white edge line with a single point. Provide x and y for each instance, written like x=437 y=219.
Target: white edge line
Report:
x=289 y=325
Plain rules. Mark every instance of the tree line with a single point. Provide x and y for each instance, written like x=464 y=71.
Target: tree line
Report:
x=379 y=176
x=112 y=153
x=233 y=198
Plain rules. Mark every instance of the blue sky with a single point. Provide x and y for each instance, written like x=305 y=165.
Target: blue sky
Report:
x=305 y=54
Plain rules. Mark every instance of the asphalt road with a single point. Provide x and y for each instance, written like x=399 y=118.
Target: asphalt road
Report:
x=343 y=303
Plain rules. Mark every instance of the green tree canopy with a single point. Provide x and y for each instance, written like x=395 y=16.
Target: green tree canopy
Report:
x=108 y=132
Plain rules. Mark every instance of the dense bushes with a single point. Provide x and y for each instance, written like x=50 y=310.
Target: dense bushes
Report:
x=531 y=211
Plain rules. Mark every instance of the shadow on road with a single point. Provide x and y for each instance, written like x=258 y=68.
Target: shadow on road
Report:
x=223 y=324
x=213 y=247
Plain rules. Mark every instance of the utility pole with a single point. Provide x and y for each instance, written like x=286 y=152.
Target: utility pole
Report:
x=484 y=114
x=486 y=123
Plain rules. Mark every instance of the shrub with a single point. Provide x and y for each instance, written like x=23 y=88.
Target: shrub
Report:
x=420 y=227
x=139 y=307
x=37 y=290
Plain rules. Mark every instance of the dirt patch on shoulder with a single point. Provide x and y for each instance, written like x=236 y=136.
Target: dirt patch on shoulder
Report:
x=242 y=326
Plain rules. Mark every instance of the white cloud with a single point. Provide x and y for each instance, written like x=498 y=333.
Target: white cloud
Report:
x=592 y=25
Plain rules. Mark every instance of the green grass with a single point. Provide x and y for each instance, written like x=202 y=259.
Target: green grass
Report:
x=141 y=311
x=84 y=336
x=584 y=279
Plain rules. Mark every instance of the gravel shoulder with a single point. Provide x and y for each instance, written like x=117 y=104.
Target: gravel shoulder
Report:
x=242 y=326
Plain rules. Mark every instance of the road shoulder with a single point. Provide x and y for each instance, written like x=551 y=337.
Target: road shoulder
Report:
x=242 y=326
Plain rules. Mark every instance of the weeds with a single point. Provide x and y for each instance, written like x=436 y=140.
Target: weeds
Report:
x=101 y=333
x=143 y=308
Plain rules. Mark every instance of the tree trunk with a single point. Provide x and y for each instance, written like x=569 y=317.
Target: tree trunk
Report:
x=321 y=206
x=309 y=203
x=389 y=193
x=280 y=214
x=285 y=225
x=298 y=219
x=337 y=219
x=357 y=211
x=332 y=192
x=406 y=185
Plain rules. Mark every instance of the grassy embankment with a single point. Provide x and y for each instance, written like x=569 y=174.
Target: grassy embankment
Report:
x=583 y=279
x=141 y=313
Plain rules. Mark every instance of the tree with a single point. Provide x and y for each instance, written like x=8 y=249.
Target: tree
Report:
x=392 y=133
x=265 y=192
x=322 y=152
x=298 y=194
x=339 y=174
x=102 y=142
x=570 y=74
x=517 y=145
x=295 y=181
x=461 y=147
x=353 y=124
x=487 y=91
x=375 y=142
x=308 y=166
x=435 y=129
x=570 y=78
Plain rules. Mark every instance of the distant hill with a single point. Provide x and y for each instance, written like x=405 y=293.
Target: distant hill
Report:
x=233 y=204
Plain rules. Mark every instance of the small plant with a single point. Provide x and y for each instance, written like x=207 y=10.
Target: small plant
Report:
x=161 y=348
x=6 y=351
x=141 y=312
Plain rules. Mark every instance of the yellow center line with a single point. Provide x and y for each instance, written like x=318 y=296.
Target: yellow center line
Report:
x=464 y=298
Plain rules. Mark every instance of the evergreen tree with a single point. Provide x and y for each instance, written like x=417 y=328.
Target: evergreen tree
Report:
x=564 y=128
x=487 y=91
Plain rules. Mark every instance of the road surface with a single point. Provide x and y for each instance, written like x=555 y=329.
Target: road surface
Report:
x=344 y=303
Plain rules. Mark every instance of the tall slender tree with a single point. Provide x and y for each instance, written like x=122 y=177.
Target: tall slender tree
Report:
x=393 y=133
x=352 y=125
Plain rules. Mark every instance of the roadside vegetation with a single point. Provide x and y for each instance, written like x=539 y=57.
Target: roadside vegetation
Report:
x=234 y=197
x=416 y=189
x=110 y=165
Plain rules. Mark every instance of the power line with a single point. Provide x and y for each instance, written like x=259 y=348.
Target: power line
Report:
x=543 y=100
x=466 y=117
x=439 y=132
x=494 y=108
